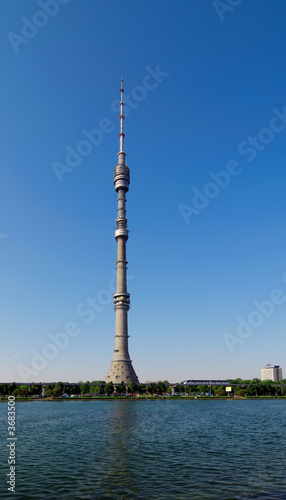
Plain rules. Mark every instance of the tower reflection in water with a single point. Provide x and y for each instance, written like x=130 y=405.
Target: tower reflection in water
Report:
x=122 y=450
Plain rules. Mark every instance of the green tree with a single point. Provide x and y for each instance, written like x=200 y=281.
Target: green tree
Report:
x=188 y=389
x=241 y=391
x=161 y=388
x=251 y=389
x=58 y=389
x=120 y=388
x=278 y=390
x=180 y=388
x=219 y=390
x=132 y=388
x=109 y=388
x=23 y=390
x=74 y=389
x=271 y=389
x=84 y=388
x=34 y=389
x=3 y=389
x=142 y=388
x=267 y=388
x=100 y=389
x=67 y=389
x=260 y=389
x=97 y=387
x=48 y=393
x=151 y=388
x=12 y=387
x=235 y=381
x=236 y=389
x=202 y=388
x=195 y=389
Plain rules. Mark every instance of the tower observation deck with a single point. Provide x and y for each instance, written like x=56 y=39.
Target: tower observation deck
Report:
x=121 y=370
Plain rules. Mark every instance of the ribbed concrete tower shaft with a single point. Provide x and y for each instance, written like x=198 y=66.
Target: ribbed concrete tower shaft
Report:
x=121 y=369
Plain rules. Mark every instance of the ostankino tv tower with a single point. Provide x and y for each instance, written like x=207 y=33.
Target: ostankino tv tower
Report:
x=121 y=370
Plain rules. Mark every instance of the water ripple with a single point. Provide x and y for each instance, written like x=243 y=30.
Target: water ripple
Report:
x=183 y=450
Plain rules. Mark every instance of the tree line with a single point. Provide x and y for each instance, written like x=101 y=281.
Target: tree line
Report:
x=256 y=387
x=242 y=388
x=99 y=388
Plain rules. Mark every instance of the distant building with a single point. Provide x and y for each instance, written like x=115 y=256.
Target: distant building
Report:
x=206 y=382
x=271 y=372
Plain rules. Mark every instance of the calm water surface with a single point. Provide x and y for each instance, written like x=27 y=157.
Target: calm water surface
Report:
x=185 y=450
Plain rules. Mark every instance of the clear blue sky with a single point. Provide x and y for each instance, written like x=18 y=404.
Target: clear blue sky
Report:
x=219 y=88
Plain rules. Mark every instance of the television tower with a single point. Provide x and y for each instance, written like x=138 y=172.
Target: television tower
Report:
x=121 y=370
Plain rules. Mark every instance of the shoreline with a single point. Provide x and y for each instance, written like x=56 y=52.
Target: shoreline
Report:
x=156 y=398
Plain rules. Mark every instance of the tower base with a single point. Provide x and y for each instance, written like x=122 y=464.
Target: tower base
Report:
x=121 y=372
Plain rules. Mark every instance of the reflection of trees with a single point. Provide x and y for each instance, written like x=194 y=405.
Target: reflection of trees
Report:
x=122 y=448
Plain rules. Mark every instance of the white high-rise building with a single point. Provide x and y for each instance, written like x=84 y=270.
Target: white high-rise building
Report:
x=271 y=372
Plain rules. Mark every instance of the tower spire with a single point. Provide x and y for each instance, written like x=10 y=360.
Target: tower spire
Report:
x=121 y=117
x=121 y=370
